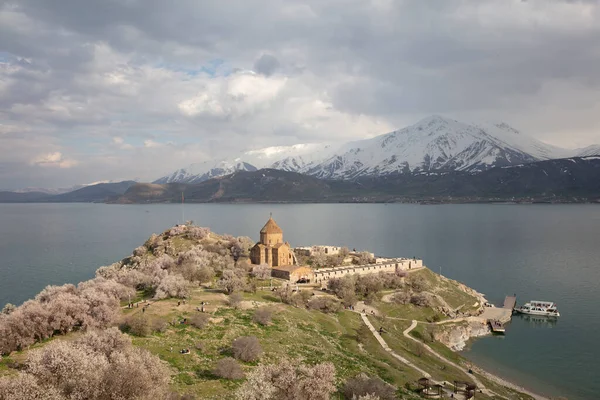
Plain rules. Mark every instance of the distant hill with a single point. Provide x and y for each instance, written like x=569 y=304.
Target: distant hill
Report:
x=563 y=180
x=23 y=197
x=243 y=186
x=99 y=193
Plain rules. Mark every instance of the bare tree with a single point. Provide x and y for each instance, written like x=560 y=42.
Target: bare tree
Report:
x=247 y=348
x=228 y=368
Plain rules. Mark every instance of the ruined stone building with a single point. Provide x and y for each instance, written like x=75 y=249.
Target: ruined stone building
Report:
x=271 y=249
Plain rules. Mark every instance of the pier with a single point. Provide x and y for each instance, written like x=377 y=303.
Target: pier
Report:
x=498 y=316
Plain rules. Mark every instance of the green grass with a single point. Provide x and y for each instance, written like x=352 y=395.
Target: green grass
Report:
x=448 y=290
x=297 y=333
x=407 y=311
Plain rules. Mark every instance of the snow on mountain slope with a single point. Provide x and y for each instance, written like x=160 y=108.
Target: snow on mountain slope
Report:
x=288 y=158
x=593 y=150
x=434 y=143
x=200 y=172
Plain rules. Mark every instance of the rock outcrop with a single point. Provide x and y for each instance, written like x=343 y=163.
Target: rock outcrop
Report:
x=456 y=335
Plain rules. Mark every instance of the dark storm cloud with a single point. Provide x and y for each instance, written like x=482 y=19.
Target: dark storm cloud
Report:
x=107 y=82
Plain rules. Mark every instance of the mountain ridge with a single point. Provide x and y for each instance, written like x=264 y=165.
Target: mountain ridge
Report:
x=561 y=180
x=433 y=143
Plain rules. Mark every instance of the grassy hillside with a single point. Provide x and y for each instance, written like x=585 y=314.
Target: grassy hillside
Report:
x=296 y=331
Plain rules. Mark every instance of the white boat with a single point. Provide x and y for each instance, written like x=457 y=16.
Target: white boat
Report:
x=534 y=307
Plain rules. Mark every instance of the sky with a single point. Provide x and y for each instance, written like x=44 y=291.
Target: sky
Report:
x=134 y=89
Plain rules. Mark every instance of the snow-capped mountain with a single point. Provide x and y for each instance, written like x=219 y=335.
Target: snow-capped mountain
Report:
x=201 y=172
x=288 y=158
x=434 y=143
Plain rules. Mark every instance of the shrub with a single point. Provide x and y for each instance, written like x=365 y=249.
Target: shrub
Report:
x=419 y=300
x=235 y=299
x=228 y=368
x=301 y=298
x=263 y=316
x=417 y=283
x=418 y=349
x=246 y=348
x=158 y=325
x=199 y=320
x=368 y=284
x=401 y=298
x=288 y=380
x=285 y=294
x=138 y=325
x=363 y=333
x=362 y=385
x=325 y=304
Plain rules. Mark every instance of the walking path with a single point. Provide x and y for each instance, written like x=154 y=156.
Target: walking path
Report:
x=479 y=384
x=389 y=350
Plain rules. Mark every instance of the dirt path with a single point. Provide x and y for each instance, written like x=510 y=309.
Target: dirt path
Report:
x=389 y=350
x=479 y=384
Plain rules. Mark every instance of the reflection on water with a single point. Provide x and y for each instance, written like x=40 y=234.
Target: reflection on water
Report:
x=538 y=321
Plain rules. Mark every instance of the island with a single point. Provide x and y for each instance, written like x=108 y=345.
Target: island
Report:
x=192 y=314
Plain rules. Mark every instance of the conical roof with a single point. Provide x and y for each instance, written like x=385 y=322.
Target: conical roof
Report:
x=271 y=227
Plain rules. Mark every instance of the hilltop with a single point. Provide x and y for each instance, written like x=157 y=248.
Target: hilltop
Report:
x=194 y=290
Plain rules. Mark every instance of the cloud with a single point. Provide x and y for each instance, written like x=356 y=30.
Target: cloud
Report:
x=266 y=64
x=110 y=84
x=55 y=159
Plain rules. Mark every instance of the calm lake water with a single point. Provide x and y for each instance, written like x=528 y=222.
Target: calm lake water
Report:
x=541 y=252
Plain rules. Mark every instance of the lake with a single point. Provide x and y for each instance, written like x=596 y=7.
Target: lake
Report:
x=539 y=252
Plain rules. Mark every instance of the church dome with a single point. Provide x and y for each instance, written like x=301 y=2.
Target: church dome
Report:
x=271 y=227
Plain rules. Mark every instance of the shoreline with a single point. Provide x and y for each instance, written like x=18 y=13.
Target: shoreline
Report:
x=504 y=382
x=491 y=376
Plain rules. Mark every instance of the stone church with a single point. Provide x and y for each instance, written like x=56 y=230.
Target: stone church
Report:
x=271 y=249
